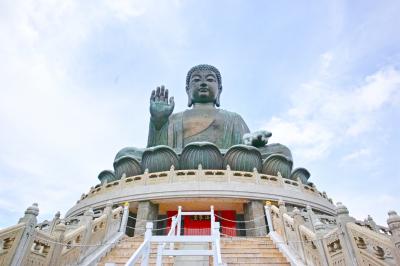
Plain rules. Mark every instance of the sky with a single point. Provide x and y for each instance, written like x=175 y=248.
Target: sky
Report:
x=76 y=77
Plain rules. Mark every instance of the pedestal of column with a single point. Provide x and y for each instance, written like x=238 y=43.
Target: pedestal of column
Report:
x=147 y=211
x=254 y=211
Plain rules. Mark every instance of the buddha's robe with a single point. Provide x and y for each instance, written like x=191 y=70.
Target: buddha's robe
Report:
x=218 y=126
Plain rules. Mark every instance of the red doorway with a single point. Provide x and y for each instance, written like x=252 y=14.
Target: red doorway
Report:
x=201 y=224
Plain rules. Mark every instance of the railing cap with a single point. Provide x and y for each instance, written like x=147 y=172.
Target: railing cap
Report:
x=34 y=209
x=149 y=225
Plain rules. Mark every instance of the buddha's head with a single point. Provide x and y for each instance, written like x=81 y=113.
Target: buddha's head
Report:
x=203 y=85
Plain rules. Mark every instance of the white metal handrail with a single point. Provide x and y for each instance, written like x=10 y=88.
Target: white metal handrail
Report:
x=143 y=251
x=173 y=236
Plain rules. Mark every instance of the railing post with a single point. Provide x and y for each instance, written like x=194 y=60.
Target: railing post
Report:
x=58 y=233
x=319 y=228
x=178 y=226
x=87 y=222
x=147 y=238
x=124 y=219
x=394 y=226
x=212 y=218
x=25 y=244
x=160 y=249
x=229 y=173
x=282 y=210
x=298 y=220
x=343 y=217
x=54 y=222
x=171 y=245
x=171 y=174
x=267 y=208
x=108 y=211
x=311 y=216
x=216 y=244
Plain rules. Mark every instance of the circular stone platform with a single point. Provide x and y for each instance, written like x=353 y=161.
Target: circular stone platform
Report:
x=224 y=184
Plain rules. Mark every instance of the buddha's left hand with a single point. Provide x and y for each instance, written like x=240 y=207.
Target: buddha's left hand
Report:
x=257 y=139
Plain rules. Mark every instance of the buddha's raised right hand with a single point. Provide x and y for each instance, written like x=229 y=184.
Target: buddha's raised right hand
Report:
x=160 y=108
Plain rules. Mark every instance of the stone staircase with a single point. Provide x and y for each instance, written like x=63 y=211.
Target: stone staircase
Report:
x=247 y=251
x=125 y=249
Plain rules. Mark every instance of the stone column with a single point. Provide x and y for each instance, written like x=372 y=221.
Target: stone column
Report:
x=147 y=212
x=254 y=212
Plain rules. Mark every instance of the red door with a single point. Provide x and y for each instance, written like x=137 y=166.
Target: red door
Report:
x=201 y=224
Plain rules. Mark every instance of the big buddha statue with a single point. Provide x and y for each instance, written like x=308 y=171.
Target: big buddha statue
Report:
x=204 y=122
x=203 y=135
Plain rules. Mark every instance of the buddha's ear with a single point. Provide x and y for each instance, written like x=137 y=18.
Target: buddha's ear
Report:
x=217 y=102
x=190 y=102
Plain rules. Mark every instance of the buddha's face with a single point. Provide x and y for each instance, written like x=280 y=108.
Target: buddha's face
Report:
x=203 y=86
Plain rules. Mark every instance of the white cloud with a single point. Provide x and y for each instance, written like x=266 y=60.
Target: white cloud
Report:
x=322 y=116
x=55 y=132
x=356 y=154
x=125 y=9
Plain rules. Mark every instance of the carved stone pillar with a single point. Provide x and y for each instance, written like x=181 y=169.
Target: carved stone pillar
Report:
x=108 y=212
x=394 y=226
x=147 y=212
x=58 y=233
x=55 y=221
x=254 y=212
x=282 y=210
x=342 y=218
x=25 y=244
x=320 y=230
x=298 y=220
x=87 y=221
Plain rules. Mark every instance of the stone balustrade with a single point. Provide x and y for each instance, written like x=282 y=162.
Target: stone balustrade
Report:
x=179 y=183
x=29 y=243
x=177 y=176
x=343 y=242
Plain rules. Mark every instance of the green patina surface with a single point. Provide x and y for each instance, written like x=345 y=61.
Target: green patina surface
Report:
x=203 y=134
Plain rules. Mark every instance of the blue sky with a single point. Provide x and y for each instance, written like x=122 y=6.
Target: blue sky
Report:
x=76 y=76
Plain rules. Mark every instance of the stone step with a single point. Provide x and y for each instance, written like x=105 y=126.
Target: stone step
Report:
x=252 y=254
x=166 y=260
x=260 y=264
x=246 y=245
x=230 y=260
x=234 y=251
x=235 y=246
x=137 y=264
x=247 y=241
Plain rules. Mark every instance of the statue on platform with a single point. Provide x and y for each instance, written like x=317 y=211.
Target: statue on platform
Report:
x=204 y=122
